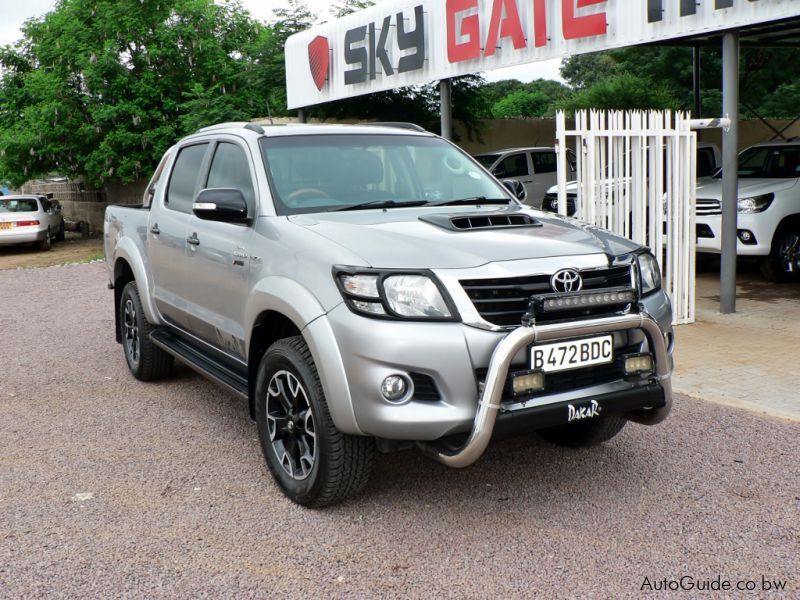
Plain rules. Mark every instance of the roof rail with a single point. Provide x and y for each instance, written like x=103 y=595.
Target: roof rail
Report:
x=232 y=125
x=397 y=125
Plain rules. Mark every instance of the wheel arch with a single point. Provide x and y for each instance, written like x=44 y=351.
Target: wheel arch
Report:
x=129 y=266
x=280 y=307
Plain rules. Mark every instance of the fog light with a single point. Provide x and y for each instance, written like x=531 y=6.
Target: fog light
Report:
x=638 y=364
x=527 y=382
x=746 y=237
x=394 y=388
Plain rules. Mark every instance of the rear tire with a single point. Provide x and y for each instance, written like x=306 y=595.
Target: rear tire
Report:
x=146 y=361
x=312 y=462
x=583 y=434
x=47 y=242
x=783 y=263
x=61 y=233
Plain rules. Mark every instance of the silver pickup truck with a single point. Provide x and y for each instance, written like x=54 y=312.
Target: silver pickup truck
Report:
x=374 y=288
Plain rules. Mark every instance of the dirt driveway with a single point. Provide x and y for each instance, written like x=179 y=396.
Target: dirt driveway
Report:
x=74 y=249
x=110 y=487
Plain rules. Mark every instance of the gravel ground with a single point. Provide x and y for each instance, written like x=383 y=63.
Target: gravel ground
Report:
x=74 y=249
x=109 y=486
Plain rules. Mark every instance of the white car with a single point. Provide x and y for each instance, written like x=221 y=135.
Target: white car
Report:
x=768 y=222
x=709 y=160
x=534 y=168
x=30 y=219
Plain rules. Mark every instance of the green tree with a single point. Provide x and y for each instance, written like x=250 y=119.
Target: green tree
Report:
x=620 y=92
x=521 y=103
x=101 y=88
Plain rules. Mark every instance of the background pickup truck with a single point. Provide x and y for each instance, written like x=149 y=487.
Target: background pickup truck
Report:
x=368 y=287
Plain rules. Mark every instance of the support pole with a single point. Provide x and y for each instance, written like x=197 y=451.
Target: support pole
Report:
x=696 y=82
x=730 y=171
x=301 y=115
x=446 y=109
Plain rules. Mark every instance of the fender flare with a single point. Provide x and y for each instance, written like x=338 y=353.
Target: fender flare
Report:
x=127 y=250
x=298 y=304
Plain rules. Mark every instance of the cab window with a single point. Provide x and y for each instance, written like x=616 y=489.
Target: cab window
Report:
x=183 y=181
x=230 y=169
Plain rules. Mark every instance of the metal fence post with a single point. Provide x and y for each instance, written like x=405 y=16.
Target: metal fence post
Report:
x=730 y=171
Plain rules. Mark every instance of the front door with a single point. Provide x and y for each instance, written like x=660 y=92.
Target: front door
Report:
x=219 y=258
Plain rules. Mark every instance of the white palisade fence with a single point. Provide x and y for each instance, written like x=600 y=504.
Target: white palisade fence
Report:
x=636 y=177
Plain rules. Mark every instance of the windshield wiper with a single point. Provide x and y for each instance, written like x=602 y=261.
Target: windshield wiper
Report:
x=473 y=200
x=378 y=204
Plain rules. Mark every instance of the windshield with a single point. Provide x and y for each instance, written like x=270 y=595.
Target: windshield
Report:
x=769 y=162
x=20 y=205
x=315 y=173
x=487 y=160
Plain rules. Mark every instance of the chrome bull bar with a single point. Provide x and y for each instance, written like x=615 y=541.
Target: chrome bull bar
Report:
x=520 y=338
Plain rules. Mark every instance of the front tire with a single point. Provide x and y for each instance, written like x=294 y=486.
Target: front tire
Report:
x=146 y=361
x=312 y=462
x=783 y=263
x=583 y=434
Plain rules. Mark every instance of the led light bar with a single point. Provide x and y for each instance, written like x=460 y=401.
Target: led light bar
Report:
x=578 y=300
x=638 y=363
x=527 y=382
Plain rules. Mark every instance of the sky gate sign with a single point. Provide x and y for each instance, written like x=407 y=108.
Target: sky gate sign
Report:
x=409 y=42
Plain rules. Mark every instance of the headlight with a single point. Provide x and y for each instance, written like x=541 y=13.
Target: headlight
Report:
x=756 y=204
x=394 y=294
x=650 y=273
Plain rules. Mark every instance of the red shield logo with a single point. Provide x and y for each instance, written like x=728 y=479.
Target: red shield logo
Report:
x=319 y=59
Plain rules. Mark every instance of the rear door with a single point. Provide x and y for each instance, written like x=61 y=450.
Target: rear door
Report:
x=544 y=175
x=167 y=236
x=219 y=257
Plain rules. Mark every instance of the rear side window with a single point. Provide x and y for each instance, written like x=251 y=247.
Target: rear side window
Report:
x=230 y=169
x=183 y=182
x=515 y=165
x=544 y=162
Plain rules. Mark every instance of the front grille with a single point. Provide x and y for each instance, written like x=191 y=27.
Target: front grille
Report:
x=550 y=203
x=504 y=301
x=708 y=207
x=424 y=388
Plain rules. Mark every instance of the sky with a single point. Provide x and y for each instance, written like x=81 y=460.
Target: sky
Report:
x=13 y=14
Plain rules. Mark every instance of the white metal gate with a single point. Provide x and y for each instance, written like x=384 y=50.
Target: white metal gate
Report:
x=636 y=177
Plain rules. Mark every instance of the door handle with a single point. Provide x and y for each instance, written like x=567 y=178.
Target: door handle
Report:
x=154 y=229
x=194 y=241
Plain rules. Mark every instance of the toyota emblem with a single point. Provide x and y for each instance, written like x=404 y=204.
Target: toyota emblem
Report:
x=566 y=280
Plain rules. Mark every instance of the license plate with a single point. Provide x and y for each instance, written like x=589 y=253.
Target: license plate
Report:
x=564 y=356
x=5 y=225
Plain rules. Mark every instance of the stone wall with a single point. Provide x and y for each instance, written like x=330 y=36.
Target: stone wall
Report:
x=81 y=205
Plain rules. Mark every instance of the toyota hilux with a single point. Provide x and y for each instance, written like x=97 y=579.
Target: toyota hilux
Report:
x=374 y=288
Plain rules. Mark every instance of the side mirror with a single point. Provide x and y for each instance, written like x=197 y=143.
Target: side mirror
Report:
x=516 y=188
x=220 y=204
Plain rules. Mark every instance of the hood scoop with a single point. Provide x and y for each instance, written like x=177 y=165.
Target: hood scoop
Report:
x=481 y=221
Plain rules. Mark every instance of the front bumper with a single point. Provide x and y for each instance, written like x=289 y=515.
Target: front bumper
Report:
x=453 y=357
x=759 y=225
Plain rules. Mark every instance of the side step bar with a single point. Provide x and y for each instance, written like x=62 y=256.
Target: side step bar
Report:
x=201 y=362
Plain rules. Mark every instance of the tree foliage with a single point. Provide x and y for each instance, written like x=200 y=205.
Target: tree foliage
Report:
x=102 y=87
x=766 y=76
x=622 y=92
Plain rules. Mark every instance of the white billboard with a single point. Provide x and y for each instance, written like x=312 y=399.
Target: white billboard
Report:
x=408 y=42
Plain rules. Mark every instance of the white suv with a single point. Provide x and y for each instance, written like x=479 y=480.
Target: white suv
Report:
x=769 y=209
